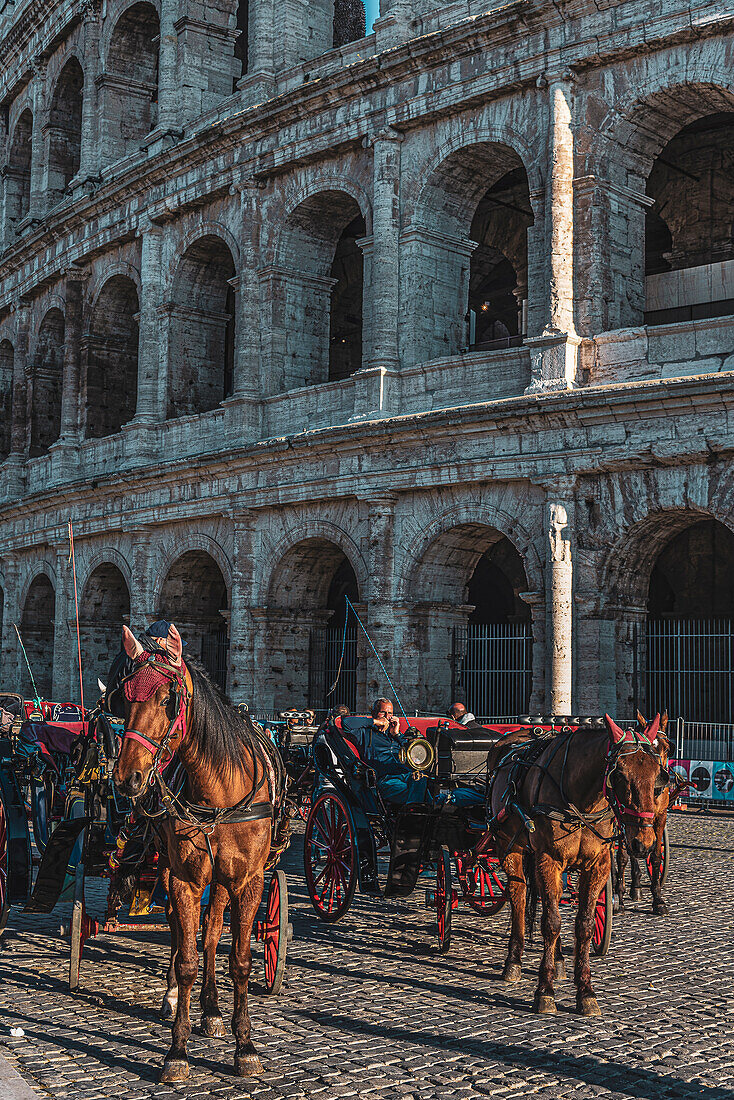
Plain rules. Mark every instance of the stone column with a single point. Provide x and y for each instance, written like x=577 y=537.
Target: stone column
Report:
x=151 y=363
x=168 y=76
x=19 y=430
x=536 y=601
x=65 y=672
x=242 y=626
x=89 y=158
x=554 y=352
x=380 y=553
x=393 y=25
x=142 y=612
x=559 y=515
x=385 y=248
x=10 y=656
x=71 y=386
x=38 y=140
x=247 y=366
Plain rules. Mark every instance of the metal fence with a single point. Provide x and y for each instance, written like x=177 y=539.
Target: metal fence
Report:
x=689 y=668
x=704 y=754
x=215 y=655
x=325 y=656
x=493 y=666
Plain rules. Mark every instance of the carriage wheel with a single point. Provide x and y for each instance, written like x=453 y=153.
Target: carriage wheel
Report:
x=276 y=932
x=666 y=859
x=444 y=900
x=304 y=807
x=77 y=926
x=4 y=904
x=484 y=885
x=330 y=857
x=603 y=919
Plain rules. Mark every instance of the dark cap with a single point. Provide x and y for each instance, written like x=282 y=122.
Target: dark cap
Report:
x=160 y=629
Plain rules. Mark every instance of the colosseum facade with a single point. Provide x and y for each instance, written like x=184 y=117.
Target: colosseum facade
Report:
x=440 y=319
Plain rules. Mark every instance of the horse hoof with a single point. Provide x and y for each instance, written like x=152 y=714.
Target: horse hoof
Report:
x=661 y=909
x=249 y=1065
x=545 y=1005
x=634 y=895
x=175 y=1069
x=168 y=1008
x=512 y=973
x=560 y=968
x=213 y=1027
x=589 y=1006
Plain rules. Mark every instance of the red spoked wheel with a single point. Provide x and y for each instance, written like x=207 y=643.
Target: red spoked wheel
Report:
x=4 y=904
x=330 y=857
x=444 y=900
x=304 y=807
x=665 y=861
x=483 y=884
x=603 y=919
x=275 y=932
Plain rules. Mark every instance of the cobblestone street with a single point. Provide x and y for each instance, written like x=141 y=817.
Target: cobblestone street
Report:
x=369 y=1009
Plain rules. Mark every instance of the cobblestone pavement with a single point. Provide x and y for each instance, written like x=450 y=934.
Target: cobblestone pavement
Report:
x=370 y=1010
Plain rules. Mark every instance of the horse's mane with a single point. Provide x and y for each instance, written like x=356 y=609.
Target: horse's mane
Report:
x=218 y=734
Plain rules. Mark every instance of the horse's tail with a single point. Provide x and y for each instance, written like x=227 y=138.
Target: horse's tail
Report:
x=531 y=896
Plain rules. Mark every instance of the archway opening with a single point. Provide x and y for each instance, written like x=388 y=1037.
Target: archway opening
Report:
x=350 y=21
x=241 y=43
x=306 y=613
x=202 y=328
x=103 y=608
x=129 y=90
x=194 y=597
x=345 y=322
x=46 y=383
x=37 y=632
x=476 y=630
x=689 y=652
x=7 y=359
x=321 y=266
x=65 y=130
x=112 y=359
x=689 y=244
x=18 y=173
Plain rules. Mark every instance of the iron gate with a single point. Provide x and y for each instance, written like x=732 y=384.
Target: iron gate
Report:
x=493 y=667
x=688 y=668
x=324 y=657
x=215 y=654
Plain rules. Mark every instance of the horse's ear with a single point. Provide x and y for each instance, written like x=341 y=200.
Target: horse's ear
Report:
x=664 y=722
x=615 y=732
x=174 y=645
x=130 y=643
x=653 y=729
x=641 y=720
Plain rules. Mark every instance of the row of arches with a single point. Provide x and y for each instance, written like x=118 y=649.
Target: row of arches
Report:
x=468 y=630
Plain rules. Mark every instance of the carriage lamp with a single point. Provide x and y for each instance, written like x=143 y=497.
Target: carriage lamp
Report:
x=419 y=755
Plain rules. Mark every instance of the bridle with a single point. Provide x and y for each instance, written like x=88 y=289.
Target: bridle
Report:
x=631 y=744
x=161 y=669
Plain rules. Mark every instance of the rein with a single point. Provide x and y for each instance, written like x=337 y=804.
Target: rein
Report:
x=626 y=748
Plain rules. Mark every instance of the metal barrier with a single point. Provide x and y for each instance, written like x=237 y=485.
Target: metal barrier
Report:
x=704 y=753
x=493 y=666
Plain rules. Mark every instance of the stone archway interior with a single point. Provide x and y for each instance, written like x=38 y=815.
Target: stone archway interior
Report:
x=18 y=175
x=241 y=44
x=47 y=379
x=345 y=331
x=202 y=329
x=6 y=395
x=112 y=359
x=103 y=608
x=689 y=640
x=37 y=632
x=689 y=245
x=131 y=86
x=350 y=22
x=193 y=596
x=65 y=130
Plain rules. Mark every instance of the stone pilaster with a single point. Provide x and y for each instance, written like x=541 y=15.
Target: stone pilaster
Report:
x=10 y=656
x=559 y=526
x=142 y=612
x=168 y=75
x=65 y=674
x=89 y=156
x=242 y=622
x=380 y=553
x=152 y=364
x=393 y=25
x=38 y=141
x=71 y=386
x=247 y=366
x=385 y=248
x=554 y=353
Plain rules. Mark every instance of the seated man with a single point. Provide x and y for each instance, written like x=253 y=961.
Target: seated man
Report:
x=462 y=716
x=395 y=780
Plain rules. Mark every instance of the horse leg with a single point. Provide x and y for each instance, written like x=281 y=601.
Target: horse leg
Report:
x=185 y=902
x=550 y=886
x=659 y=905
x=636 y=876
x=212 y=1023
x=560 y=961
x=591 y=880
x=621 y=873
x=170 y=1000
x=244 y=908
x=517 y=888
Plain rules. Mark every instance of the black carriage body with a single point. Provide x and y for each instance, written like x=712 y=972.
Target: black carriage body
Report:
x=19 y=862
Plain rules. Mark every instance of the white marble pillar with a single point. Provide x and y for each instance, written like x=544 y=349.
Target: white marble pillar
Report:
x=559 y=515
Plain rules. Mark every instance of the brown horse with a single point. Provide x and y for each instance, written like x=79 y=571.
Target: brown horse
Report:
x=557 y=800
x=659 y=905
x=216 y=827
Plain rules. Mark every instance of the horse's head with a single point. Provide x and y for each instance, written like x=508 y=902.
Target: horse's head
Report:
x=157 y=693
x=636 y=781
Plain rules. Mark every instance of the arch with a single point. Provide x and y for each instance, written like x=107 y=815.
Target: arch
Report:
x=316 y=185
x=104 y=605
x=37 y=631
x=18 y=172
x=202 y=322
x=195 y=540
x=350 y=22
x=318 y=529
x=7 y=358
x=102 y=276
x=104 y=556
x=111 y=353
x=194 y=595
x=303 y=576
x=46 y=382
x=319 y=235
x=65 y=129
x=129 y=87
